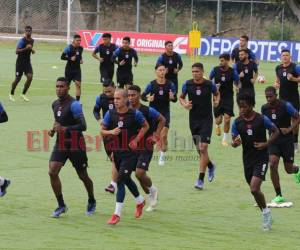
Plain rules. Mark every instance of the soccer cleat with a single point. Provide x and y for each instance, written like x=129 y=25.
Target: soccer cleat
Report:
x=199 y=184
x=4 y=187
x=110 y=189
x=267 y=221
x=139 y=209
x=296 y=147
x=153 y=198
x=60 y=210
x=218 y=131
x=211 y=173
x=11 y=98
x=278 y=199
x=91 y=207
x=297 y=177
x=161 y=161
x=225 y=143
x=113 y=220
x=24 y=97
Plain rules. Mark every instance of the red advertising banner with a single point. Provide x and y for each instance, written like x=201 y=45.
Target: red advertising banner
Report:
x=143 y=42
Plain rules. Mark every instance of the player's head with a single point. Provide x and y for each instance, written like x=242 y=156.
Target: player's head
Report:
x=106 y=37
x=244 y=41
x=197 y=71
x=224 y=59
x=169 y=46
x=243 y=55
x=271 y=94
x=126 y=42
x=160 y=70
x=62 y=87
x=285 y=56
x=246 y=102
x=109 y=88
x=134 y=95
x=28 y=30
x=76 y=40
x=120 y=98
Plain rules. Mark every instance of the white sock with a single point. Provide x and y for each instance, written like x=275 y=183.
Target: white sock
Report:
x=140 y=199
x=118 y=208
x=152 y=189
x=162 y=154
x=225 y=136
x=114 y=184
x=265 y=210
x=1 y=181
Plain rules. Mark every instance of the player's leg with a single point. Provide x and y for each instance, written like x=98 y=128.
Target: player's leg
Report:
x=288 y=154
x=29 y=76
x=259 y=197
x=226 y=136
x=120 y=79
x=114 y=178
x=129 y=80
x=78 y=89
x=274 y=162
x=54 y=169
x=218 y=121
x=163 y=145
x=295 y=133
x=4 y=183
x=19 y=73
x=203 y=162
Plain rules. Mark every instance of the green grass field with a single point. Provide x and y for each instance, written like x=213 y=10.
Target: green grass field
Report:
x=220 y=217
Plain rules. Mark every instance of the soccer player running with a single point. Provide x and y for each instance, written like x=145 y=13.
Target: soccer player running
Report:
x=226 y=79
x=243 y=45
x=199 y=92
x=287 y=79
x=4 y=183
x=105 y=102
x=73 y=55
x=159 y=93
x=248 y=72
x=105 y=50
x=123 y=57
x=249 y=129
x=280 y=113
x=127 y=127
x=70 y=144
x=23 y=64
x=172 y=61
x=156 y=123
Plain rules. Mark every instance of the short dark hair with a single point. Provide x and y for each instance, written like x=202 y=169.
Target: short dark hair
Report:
x=286 y=50
x=271 y=89
x=246 y=96
x=135 y=88
x=168 y=42
x=62 y=79
x=106 y=35
x=126 y=38
x=198 y=65
x=28 y=27
x=245 y=37
x=158 y=65
x=108 y=83
x=76 y=36
x=244 y=50
x=225 y=56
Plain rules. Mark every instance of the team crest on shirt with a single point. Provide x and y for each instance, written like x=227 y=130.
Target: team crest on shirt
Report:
x=246 y=71
x=107 y=52
x=170 y=61
x=59 y=111
x=284 y=73
x=77 y=53
x=274 y=116
x=161 y=92
x=110 y=106
x=127 y=56
x=120 y=124
x=198 y=91
x=249 y=129
x=223 y=78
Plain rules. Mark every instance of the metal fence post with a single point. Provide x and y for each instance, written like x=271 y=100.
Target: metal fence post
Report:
x=138 y=3
x=17 y=16
x=219 y=15
x=166 y=15
x=98 y=14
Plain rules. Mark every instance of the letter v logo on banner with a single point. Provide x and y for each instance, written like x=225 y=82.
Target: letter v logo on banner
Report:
x=91 y=41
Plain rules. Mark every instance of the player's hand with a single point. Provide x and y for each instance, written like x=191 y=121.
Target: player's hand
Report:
x=188 y=105
x=33 y=51
x=73 y=58
x=51 y=132
x=260 y=145
x=242 y=74
x=58 y=128
x=115 y=131
x=150 y=98
x=101 y=59
x=175 y=71
x=216 y=102
x=286 y=131
x=122 y=62
x=81 y=61
x=135 y=64
x=171 y=95
x=29 y=46
x=277 y=85
x=237 y=141
x=133 y=144
x=252 y=80
x=236 y=89
x=290 y=77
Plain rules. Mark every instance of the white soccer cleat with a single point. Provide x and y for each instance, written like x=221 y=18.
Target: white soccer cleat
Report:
x=162 y=160
x=11 y=98
x=153 y=197
x=25 y=98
